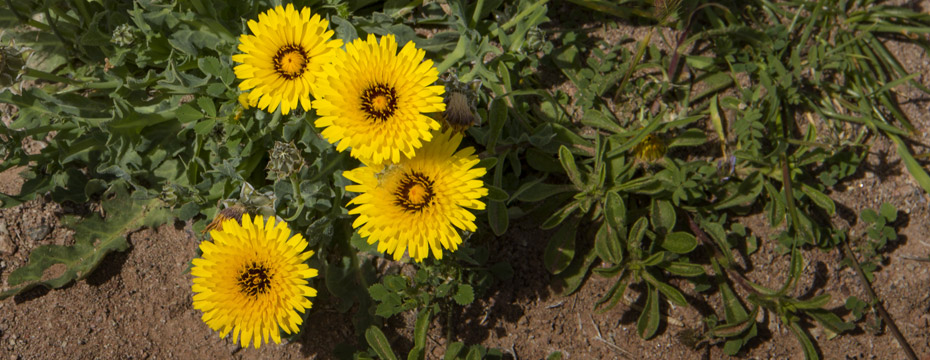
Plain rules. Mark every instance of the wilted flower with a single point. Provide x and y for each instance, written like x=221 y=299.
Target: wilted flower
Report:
x=285 y=160
x=123 y=35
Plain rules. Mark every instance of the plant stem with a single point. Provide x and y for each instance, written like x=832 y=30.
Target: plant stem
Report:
x=878 y=303
x=21 y=17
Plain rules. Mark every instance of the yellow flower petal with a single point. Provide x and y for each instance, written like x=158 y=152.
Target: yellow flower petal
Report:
x=373 y=100
x=284 y=55
x=416 y=204
x=252 y=280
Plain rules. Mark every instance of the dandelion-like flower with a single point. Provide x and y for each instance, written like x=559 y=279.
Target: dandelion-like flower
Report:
x=375 y=100
x=283 y=57
x=417 y=204
x=650 y=149
x=252 y=280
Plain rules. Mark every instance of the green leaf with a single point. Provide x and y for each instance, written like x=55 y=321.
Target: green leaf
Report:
x=379 y=343
x=648 y=322
x=497 y=117
x=613 y=296
x=453 y=351
x=815 y=302
x=419 y=335
x=204 y=127
x=568 y=164
x=539 y=191
x=683 y=268
x=561 y=248
x=54 y=266
x=576 y=272
x=690 y=137
x=669 y=291
x=830 y=321
x=735 y=329
x=810 y=352
x=555 y=355
x=679 y=242
x=464 y=294
x=913 y=167
x=607 y=244
x=888 y=212
x=188 y=211
x=819 y=198
x=597 y=119
x=615 y=211
x=559 y=216
x=747 y=192
x=187 y=113
x=206 y=104
x=497 y=217
x=496 y=194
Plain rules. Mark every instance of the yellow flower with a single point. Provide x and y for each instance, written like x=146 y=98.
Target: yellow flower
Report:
x=285 y=54
x=375 y=100
x=416 y=204
x=650 y=149
x=252 y=280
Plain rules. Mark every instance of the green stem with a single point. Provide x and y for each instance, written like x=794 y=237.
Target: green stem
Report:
x=51 y=23
x=39 y=74
x=878 y=302
x=21 y=17
x=295 y=187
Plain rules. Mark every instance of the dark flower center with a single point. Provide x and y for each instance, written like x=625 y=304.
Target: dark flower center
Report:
x=290 y=61
x=254 y=279
x=379 y=102
x=415 y=192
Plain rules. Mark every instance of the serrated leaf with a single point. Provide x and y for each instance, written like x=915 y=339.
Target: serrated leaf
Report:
x=464 y=294
x=888 y=212
x=379 y=343
x=187 y=113
x=378 y=292
x=204 y=127
x=206 y=104
x=54 y=266
x=188 y=211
